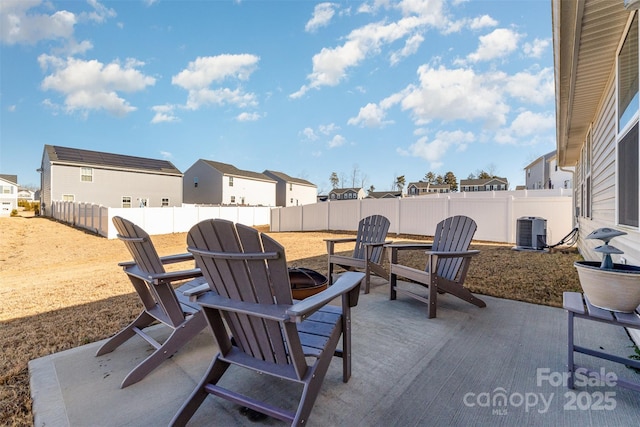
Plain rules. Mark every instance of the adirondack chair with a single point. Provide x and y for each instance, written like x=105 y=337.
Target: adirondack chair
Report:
x=160 y=301
x=367 y=253
x=271 y=334
x=448 y=260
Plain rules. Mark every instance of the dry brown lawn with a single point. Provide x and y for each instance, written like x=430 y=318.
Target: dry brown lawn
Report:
x=61 y=287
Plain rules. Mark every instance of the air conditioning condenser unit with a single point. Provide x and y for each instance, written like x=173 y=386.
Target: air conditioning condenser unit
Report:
x=531 y=233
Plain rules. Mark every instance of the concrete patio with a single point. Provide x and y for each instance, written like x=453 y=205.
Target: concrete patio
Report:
x=407 y=370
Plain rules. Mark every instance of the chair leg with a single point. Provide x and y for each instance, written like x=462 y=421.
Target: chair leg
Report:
x=179 y=337
x=314 y=378
x=143 y=320
x=346 y=341
x=213 y=375
x=433 y=296
x=367 y=278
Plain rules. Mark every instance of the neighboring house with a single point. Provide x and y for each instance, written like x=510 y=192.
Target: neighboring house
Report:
x=292 y=191
x=214 y=183
x=323 y=198
x=347 y=194
x=111 y=180
x=8 y=194
x=489 y=184
x=544 y=172
x=595 y=47
x=26 y=194
x=384 y=195
x=421 y=188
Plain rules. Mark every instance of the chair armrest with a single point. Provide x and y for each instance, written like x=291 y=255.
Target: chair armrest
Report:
x=277 y=312
x=388 y=242
x=345 y=283
x=449 y=254
x=331 y=243
x=409 y=246
x=169 y=259
x=196 y=291
x=158 y=278
x=341 y=240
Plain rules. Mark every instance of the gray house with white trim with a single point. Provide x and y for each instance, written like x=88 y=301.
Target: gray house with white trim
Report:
x=107 y=179
x=292 y=191
x=215 y=183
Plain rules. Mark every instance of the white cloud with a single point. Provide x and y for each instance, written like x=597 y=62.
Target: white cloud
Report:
x=17 y=26
x=322 y=15
x=433 y=151
x=537 y=48
x=100 y=12
x=204 y=71
x=410 y=47
x=528 y=128
x=371 y=115
x=482 y=22
x=22 y=23
x=330 y=65
x=248 y=117
x=537 y=88
x=497 y=44
x=328 y=129
x=309 y=134
x=164 y=114
x=166 y=155
x=455 y=94
x=92 y=85
x=337 y=141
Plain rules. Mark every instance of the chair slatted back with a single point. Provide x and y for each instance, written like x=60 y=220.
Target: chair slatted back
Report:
x=452 y=235
x=147 y=260
x=139 y=245
x=372 y=229
x=258 y=275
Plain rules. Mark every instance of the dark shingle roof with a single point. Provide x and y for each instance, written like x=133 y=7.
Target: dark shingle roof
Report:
x=482 y=181
x=286 y=178
x=228 y=169
x=108 y=160
x=10 y=178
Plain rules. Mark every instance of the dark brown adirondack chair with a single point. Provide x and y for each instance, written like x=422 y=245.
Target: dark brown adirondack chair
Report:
x=367 y=253
x=272 y=335
x=448 y=260
x=161 y=303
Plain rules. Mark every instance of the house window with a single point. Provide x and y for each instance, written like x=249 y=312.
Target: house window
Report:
x=627 y=147
x=86 y=174
x=628 y=178
x=68 y=198
x=290 y=186
x=291 y=200
x=233 y=199
x=332 y=196
x=195 y=182
x=6 y=189
x=126 y=202
x=230 y=181
x=164 y=202
x=628 y=78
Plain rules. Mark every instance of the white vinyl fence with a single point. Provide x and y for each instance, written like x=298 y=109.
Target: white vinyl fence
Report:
x=154 y=221
x=496 y=213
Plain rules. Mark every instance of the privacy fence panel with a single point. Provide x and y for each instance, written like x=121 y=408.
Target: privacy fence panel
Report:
x=496 y=213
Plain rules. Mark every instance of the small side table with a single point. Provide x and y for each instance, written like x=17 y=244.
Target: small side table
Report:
x=575 y=304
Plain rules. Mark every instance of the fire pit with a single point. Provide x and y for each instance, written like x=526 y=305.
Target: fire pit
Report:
x=306 y=282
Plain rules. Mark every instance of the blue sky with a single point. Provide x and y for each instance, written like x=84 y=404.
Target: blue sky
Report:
x=371 y=90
